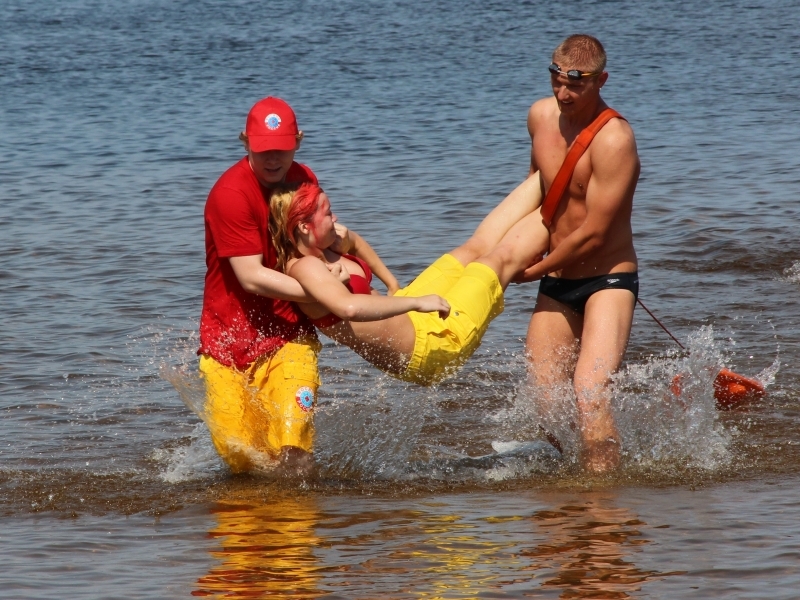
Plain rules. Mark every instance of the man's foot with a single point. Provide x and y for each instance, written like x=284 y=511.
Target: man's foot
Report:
x=295 y=462
x=601 y=456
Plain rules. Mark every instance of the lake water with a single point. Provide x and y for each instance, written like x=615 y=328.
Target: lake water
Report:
x=116 y=118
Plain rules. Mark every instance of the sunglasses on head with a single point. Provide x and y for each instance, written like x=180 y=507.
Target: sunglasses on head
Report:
x=572 y=74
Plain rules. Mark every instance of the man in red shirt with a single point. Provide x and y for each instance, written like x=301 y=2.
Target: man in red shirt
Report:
x=258 y=352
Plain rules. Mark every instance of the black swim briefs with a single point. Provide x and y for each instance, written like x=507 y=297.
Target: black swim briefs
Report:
x=575 y=292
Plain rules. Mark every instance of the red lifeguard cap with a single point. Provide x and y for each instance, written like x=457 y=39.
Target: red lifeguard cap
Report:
x=271 y=125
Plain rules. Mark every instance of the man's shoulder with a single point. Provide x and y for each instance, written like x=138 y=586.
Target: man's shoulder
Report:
x=615 y=136
x=239 y=169
x=544 y=105
x=613 y=153
x=237 y=176
x=542 y=109
x=236 y=190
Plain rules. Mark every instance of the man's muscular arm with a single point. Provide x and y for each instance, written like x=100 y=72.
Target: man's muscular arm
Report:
x=615 y=172
x=255 y=278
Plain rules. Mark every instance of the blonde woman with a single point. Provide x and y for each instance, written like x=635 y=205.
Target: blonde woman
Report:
x=428 y=329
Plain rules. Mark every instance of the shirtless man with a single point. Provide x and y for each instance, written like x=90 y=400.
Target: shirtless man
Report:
x=589 y=281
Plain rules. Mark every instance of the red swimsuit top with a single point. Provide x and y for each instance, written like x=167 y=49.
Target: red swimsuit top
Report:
x=357 y=285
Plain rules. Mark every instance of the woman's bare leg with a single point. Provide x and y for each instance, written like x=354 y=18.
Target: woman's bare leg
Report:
x=526 y=198
x=523 y=245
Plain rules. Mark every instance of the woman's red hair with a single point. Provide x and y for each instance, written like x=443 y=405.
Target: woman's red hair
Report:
x=303 y=207
x=290 y=205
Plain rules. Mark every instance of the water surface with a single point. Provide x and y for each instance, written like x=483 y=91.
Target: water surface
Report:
x=116 y=120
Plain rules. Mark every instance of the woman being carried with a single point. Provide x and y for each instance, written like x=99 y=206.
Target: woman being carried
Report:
x=428 y=329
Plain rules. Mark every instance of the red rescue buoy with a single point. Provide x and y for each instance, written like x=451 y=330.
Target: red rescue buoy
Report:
x=730 y=389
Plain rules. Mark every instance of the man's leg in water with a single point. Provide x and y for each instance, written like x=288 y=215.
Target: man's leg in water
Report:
x=553 y=336
x=526 y=198
x=606 y=329
x=603 y=332
x=287 y=384
x=227 y=412
x=551 y=348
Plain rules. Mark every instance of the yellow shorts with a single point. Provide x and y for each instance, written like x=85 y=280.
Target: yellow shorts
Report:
x=442 y=346
x=252 y=414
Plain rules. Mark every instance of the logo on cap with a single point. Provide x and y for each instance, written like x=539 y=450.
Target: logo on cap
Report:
x=305 y=398
x=272 y=121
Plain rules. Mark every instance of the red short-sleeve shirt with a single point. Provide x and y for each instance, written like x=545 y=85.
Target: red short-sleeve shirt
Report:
x=237 y=327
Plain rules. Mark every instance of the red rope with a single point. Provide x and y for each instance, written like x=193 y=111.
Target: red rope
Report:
x=661 y=324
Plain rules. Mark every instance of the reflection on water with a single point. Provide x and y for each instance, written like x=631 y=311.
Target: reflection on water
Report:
x=264 y=549
x=296 y=546
x=257 y=541
x=589 y=551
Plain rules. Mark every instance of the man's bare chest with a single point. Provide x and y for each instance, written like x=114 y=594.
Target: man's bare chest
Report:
x=549 y=151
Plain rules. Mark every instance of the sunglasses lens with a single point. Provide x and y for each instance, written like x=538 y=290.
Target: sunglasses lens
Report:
x=572 y=74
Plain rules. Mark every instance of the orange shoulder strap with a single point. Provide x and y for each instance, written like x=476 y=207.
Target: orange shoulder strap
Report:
x=564 y=175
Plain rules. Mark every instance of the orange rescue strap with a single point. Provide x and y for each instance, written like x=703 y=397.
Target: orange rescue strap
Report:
x=576 y=150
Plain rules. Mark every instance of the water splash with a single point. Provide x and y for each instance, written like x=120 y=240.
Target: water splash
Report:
x=666 y=411
x=377 y=434
x=767 y=376
x=793 y=273
x=371 y=435
x=536 y=413
x=196 y=460
x=660 y=430
x=372 y=428
x=189 y=385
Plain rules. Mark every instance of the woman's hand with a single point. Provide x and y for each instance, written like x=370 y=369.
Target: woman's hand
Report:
x=343 y=243
x=392 y=286
x=434 y=303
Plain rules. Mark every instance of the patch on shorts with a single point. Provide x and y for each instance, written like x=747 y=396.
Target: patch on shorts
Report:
x=305 y=398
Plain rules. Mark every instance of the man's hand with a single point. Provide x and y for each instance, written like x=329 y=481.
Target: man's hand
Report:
x=338 y=271
x=529 y=274
x=343 y=243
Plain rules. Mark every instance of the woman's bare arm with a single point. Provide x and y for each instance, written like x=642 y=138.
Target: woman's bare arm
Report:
x=361 y=248
x=321 y=285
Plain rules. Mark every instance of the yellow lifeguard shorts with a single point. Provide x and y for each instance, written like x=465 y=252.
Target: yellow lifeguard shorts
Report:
x=442 y=346
x=252 y=414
